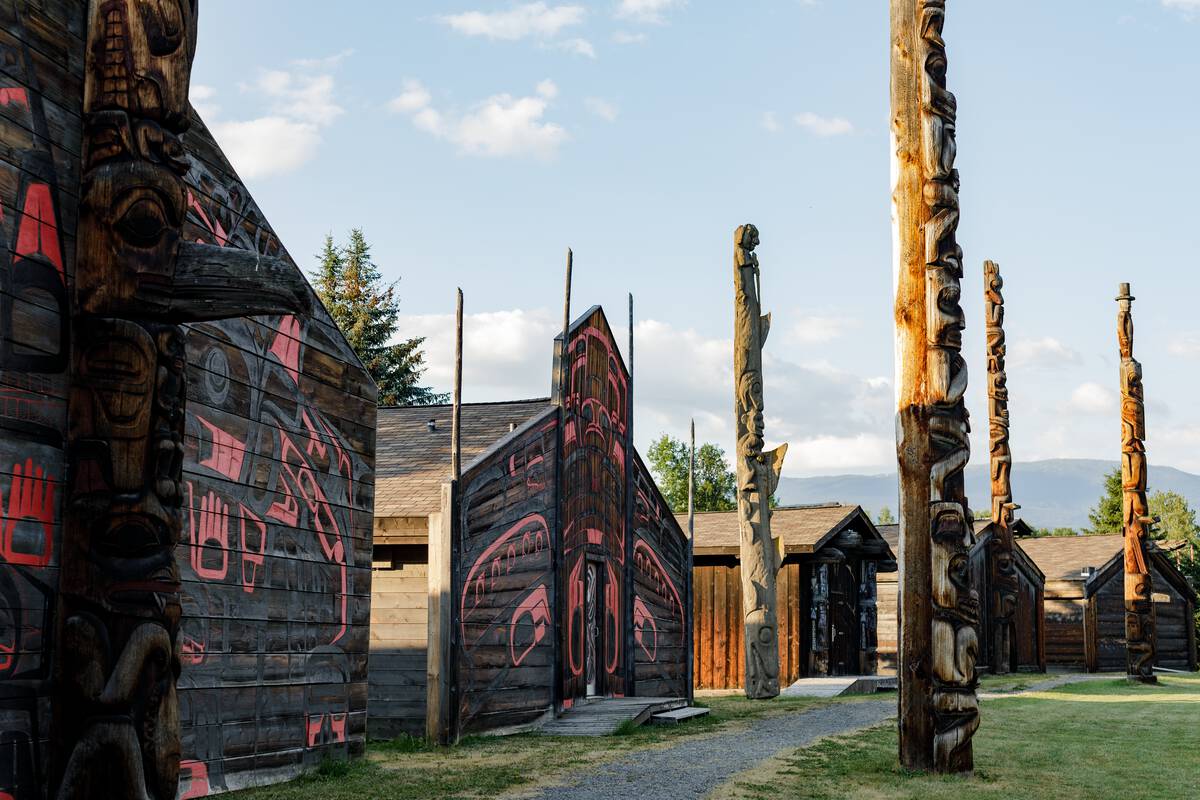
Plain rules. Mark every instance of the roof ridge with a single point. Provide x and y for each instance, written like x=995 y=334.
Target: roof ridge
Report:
x=414 y=407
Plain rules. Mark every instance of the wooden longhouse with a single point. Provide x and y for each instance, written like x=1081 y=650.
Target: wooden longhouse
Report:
x=825 y=594
x=554 y=560
x=1085 y=616
x=1029 y=642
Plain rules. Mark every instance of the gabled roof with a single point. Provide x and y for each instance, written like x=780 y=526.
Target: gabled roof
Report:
x=412 y=462
x=1064 y=558
x=804 y=529
x=1159 y=560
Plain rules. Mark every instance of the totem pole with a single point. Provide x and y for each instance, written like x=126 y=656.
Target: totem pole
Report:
x=1135 y=510
x=1004 y=573
x=757 y=473
x=939 y=611
x=115 y=712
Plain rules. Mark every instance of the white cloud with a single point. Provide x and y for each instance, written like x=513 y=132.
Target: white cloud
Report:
x=823 y=126
x=327 y=62
x=818 y=328
x=647 y=11
x=1186 y=345
x=267 y=146
x=832 y=455
x=298 y=104
x=1092 y=398
x=537 y=20
x=1044 y=353
x=576 y=46
x=628 y=37
x=602 y=109
x=770 y=122
x=1186 y=6
x=501 y=125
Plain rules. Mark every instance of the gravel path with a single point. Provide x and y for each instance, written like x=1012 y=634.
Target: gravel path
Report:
x=694 y=767
x=1046 y=685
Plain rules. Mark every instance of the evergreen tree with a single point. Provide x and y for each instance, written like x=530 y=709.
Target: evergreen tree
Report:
x=1177 y=520
x=715 y=482
x=885 y=517
x=366 y=310
x=1106 y=516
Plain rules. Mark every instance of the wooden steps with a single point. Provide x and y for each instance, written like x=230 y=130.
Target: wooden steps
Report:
x=603 y=715
x=678 y=715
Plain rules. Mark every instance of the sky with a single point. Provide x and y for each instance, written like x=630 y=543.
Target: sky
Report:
x=475 y=141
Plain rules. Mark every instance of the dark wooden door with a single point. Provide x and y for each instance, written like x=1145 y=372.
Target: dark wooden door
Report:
x=591 y=636
x=843 y=620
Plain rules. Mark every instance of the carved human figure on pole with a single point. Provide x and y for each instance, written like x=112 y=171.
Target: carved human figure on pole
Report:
x=1135 y=509
x=116 y=716
x=939 y=711
x=757 y=473
x=1004 y=575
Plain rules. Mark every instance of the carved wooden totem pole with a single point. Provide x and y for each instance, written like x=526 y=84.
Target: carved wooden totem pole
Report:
x=116 y=716
x=757 y=473
x=1004 y=573
x=1135 y=510
x=939 y=611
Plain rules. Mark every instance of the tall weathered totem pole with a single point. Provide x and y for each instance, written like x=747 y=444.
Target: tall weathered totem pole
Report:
x=939 y=610
x=115 y=712
x=1004 y=573
x=757 y=472
x=1135 y=509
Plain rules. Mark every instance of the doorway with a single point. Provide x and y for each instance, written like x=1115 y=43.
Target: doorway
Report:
x=843 y=621
x=592 y=614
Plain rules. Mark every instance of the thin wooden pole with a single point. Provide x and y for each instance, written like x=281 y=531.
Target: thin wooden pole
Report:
x=938 y=709
x=561 y=479
x=691 y=609
x=456 y=418
x=630 y=499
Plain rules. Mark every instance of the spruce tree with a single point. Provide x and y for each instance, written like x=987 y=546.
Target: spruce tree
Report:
x=1106 y=517
x=366 y=310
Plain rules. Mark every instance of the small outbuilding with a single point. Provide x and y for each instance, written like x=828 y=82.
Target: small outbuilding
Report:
x=826 y=594
x=1029 y=642
x=1085 y=604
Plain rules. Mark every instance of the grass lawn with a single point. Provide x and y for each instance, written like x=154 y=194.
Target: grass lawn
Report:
x=1086 y=741
x=408 y=769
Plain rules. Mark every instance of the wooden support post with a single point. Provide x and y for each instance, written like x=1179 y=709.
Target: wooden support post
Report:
x=939 y=612
x=1005 y=584
x=757 y=473
x=439 y=664
x=1135 y=509
x=689 y=634
x=456 y=416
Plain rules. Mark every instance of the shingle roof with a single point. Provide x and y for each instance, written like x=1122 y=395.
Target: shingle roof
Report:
x=411 y=461
x=1063 y=558
x=802 y=528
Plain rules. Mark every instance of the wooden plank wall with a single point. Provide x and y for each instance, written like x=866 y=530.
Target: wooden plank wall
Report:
x=889 y=623
x=981 y=572
x=1027 y=622
x=719 y=633
x=276 y=557
x=1064 y=620
x=41 y=93
x=594 y=445
x=504 y=577
x=399 y=614
x=1170 y=624
x=660 y=593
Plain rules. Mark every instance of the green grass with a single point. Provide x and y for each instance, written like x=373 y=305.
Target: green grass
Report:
x=1086 y=741
x=408 y=768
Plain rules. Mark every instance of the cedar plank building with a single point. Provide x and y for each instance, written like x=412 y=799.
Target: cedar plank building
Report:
x=825 y=594
x=1085 y=604
x=566 y=575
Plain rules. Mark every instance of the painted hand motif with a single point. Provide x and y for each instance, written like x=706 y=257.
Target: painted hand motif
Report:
x=30 y=498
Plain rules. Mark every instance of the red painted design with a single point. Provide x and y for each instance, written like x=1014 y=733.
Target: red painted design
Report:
x=214 y=226
x=537 y=607
x=227 y=454
x=612 y=619
x=14 y=96
x=649 y=564
x=213 y=530
x=644 y=628
x=575 y=627
x=253 y=557
x=37 y=233
x=315 y=445
x=319 y=733
x=30 y=499
x=286 y=346
x=193 y=779
x=499 y=559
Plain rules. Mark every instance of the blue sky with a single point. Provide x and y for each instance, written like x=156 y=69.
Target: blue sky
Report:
x=475 y=141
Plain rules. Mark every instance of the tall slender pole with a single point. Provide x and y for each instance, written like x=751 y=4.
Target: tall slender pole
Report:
x=938 y=710
x=456 y=418
x=1004 y=574
x=561 y=475
x=630 y=502
x=1135 y=510
x=691 y=611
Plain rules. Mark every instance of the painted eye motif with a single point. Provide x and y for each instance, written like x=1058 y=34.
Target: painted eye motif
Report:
x=143 y=223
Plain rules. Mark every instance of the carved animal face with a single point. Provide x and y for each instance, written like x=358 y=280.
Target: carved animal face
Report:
x=747 y=236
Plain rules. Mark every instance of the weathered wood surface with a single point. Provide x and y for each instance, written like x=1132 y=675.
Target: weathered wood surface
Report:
x=602 y=717
x=397 y=678
x=757 y=472
x=1135 y=508
x=999 y=627
x=505 y=598
x=938 y=642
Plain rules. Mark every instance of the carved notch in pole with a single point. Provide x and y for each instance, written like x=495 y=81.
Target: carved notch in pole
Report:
x=115 y=710
x=757 y=473
x=938 y=708
x=1004 y=573
x=1135 y=509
